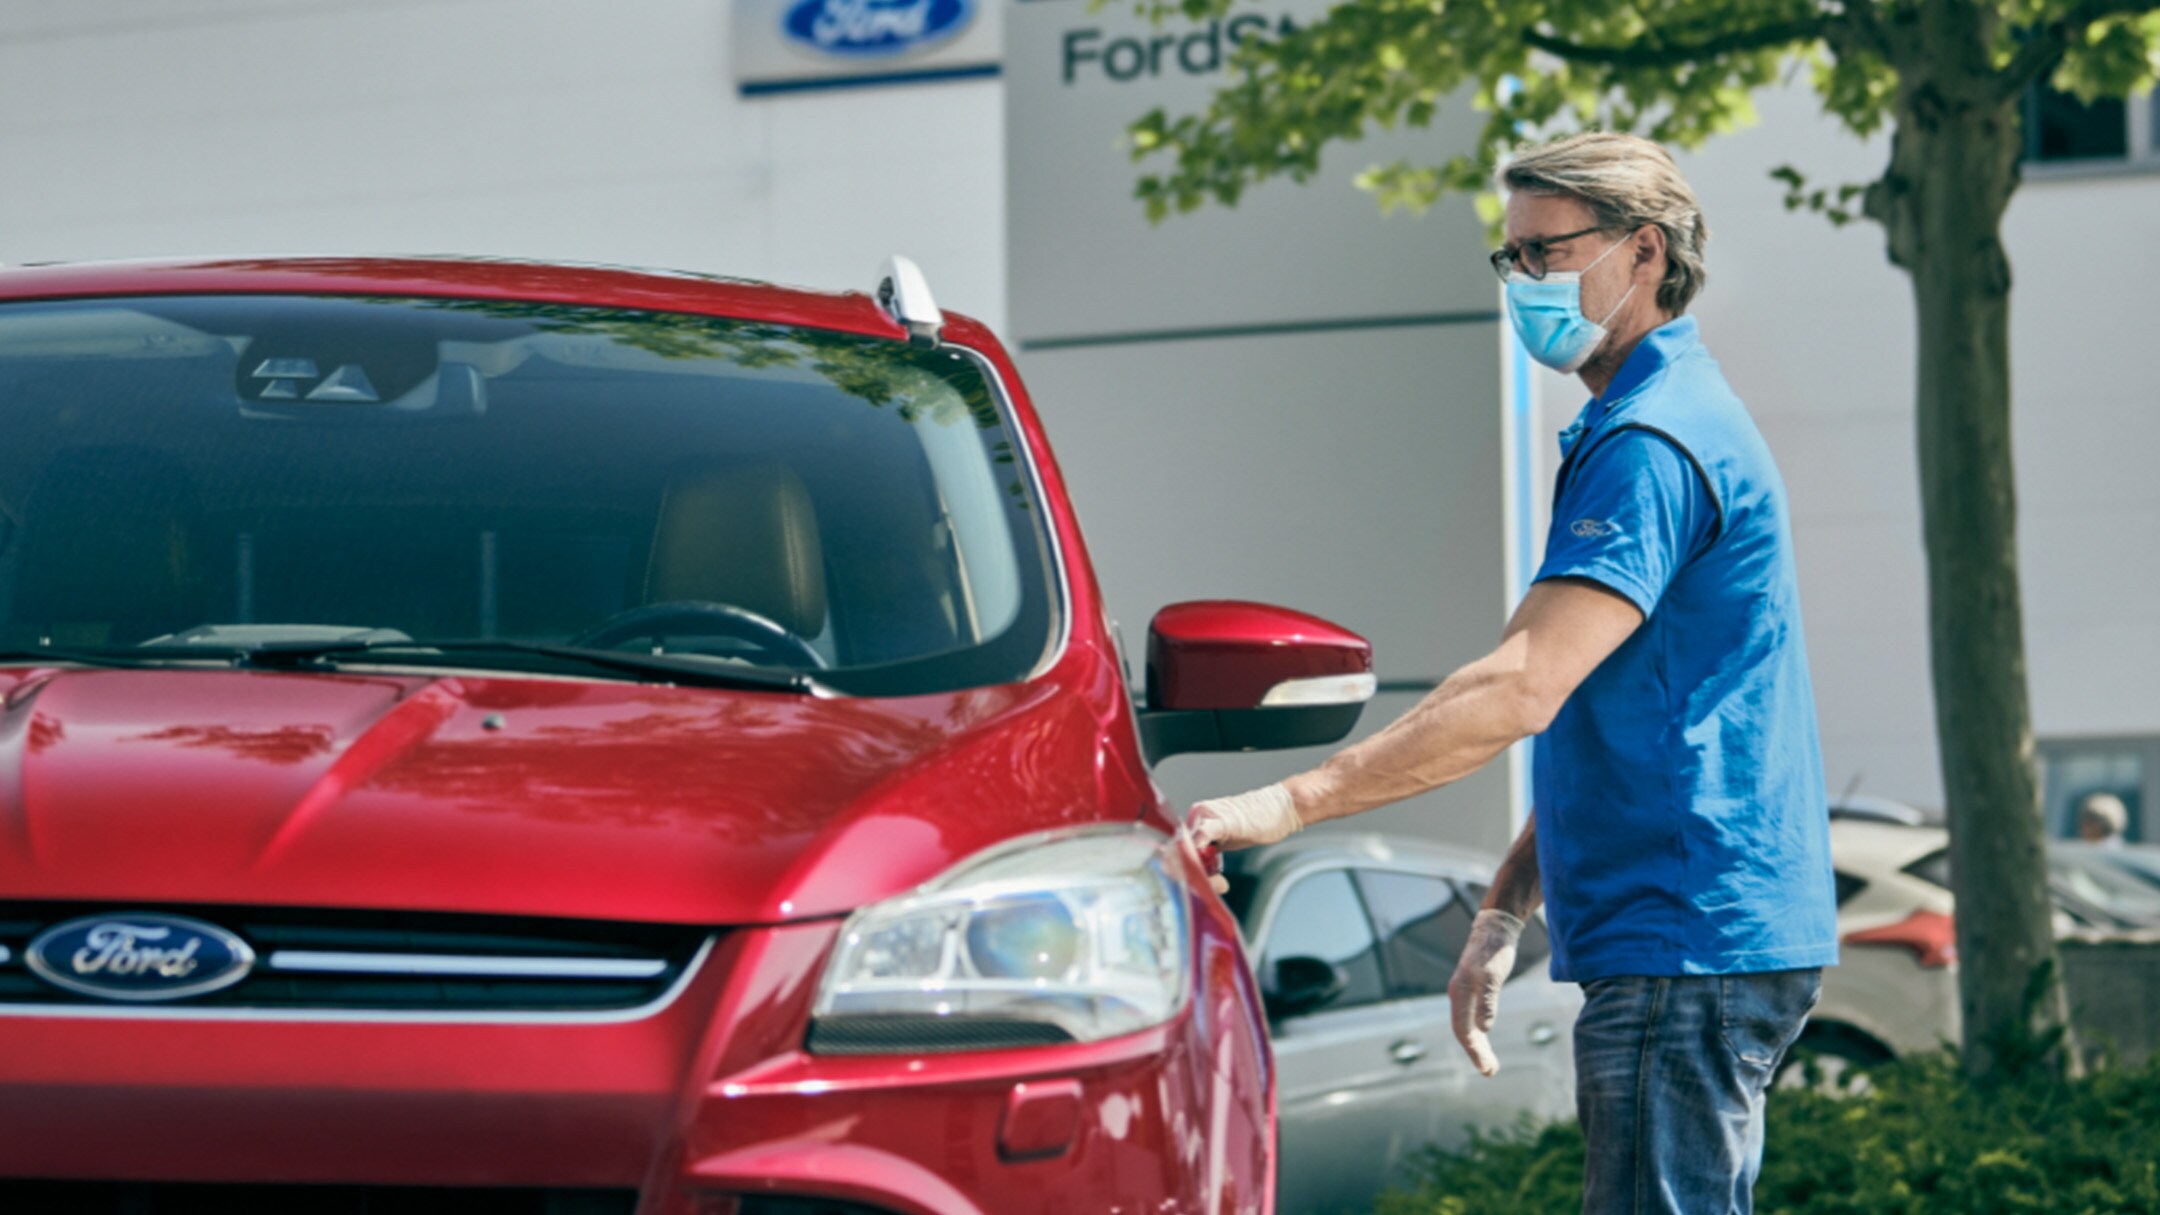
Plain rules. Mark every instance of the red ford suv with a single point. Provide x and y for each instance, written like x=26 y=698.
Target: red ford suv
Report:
x=491 y=737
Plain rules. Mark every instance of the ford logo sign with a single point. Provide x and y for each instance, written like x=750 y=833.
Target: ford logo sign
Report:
x=876 y=29
x=139 y=956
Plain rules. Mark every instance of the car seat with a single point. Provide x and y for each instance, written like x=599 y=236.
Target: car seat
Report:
x=745 y=535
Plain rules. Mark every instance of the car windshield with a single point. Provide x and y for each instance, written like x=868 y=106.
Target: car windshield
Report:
x=235 y=471
x=2083 y=883
x=2094 y=876
x=2141 y=861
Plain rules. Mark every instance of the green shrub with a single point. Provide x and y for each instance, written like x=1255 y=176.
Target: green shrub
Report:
x=1923 y=1140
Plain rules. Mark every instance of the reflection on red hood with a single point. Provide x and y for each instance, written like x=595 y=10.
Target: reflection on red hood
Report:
x=516 y=795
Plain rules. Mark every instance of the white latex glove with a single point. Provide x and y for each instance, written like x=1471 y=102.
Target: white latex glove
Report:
x=1474 y=993
x=1248 y=820
x=1262 y=816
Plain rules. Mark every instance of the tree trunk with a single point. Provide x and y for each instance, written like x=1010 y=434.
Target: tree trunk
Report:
x=1953 y=167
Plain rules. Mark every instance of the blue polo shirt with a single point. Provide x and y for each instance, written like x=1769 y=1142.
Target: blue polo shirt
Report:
x=1682 y=823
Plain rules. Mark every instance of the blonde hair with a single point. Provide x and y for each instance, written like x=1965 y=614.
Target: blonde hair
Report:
x=1627 y=182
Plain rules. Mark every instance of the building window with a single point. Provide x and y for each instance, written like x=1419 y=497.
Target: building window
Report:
x=2061 y=129
x=2073 y=768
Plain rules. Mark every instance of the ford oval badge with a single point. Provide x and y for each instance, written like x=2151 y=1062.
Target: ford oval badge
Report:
x=139 y=956
x=876 y=29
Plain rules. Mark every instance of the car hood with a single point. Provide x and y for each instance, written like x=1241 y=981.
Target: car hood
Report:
x=517 y=796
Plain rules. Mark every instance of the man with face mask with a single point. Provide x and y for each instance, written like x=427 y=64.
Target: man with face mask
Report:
x=1680 y=837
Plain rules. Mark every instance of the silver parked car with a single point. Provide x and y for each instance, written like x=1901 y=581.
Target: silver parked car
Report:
x=1355 y=937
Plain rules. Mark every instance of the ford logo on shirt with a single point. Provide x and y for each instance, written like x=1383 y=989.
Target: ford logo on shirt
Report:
x=139 y=956
x=876 y=29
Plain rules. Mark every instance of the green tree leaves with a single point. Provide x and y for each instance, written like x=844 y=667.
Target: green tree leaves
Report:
x=1677 y=71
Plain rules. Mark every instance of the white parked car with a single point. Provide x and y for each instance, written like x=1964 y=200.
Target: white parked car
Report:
x=1895 y=989
x=1355 y=937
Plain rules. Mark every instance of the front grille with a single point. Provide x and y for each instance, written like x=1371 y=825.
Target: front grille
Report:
x=395 y=961
x=168 y=1198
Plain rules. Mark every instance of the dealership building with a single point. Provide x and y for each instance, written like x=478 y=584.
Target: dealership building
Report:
x=1298 y=400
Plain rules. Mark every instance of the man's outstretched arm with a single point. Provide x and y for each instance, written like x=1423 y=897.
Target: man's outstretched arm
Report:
x=1561 y=632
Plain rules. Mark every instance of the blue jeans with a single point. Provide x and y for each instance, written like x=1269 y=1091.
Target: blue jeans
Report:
x=1669 y=1082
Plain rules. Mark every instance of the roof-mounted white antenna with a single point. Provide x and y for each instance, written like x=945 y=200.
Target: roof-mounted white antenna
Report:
x=905 y=295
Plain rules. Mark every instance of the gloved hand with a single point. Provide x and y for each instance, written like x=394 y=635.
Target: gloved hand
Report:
x=1474 y=993
x=1262 y=816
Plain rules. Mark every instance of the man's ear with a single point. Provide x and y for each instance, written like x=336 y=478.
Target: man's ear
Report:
x=1650 y=245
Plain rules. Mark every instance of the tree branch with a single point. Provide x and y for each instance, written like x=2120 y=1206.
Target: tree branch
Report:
x=1652 y=52
x=1857 y=19
x=2045 y=49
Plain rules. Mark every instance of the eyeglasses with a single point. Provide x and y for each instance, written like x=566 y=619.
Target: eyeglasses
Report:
x=1531 y=253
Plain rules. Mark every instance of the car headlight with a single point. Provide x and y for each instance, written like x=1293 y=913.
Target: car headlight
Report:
x=1071 y=936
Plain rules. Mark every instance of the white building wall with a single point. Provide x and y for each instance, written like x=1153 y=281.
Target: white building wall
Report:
x=1295 y=401
x=534 y=128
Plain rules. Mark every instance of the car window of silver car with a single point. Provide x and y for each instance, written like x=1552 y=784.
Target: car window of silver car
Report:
x=1321 y=918
x=1423 y=927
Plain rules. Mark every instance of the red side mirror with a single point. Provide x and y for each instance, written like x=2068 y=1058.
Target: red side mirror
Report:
x=1225 y=675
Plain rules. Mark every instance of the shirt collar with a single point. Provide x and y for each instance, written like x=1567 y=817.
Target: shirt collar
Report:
x=1658 y=348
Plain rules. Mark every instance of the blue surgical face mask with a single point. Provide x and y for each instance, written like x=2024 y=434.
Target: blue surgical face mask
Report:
x=1549 y=319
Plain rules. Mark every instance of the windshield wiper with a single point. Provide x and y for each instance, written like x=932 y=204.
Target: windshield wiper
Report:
x=288 y=655
x=295 y=655
x=121 y=657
